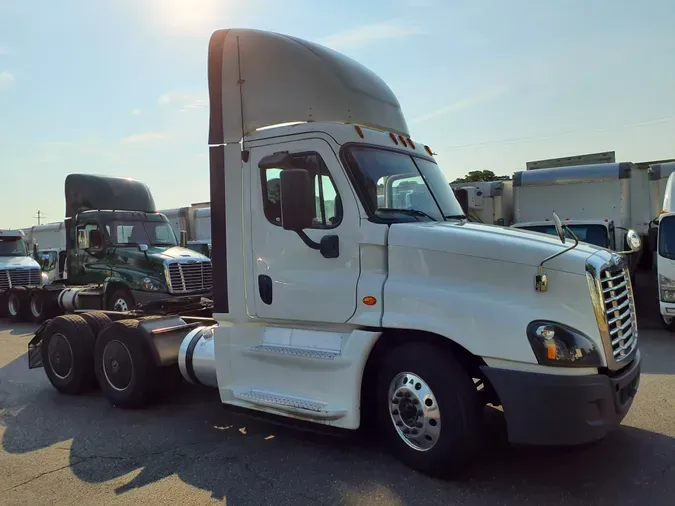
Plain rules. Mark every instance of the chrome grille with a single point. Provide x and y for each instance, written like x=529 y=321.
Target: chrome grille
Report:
x=619 y=307
x=188 y=277
x=19 y=277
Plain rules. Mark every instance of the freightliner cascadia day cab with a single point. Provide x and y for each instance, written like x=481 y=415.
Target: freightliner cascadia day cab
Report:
x=331 y=308
x=18 y=269
x=120 y=252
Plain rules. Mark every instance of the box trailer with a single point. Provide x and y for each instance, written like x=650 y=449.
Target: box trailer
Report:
x=488 y=202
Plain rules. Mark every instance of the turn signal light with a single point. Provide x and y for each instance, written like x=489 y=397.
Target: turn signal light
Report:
x=369 y=300
x=393 y=138
x=358 y=130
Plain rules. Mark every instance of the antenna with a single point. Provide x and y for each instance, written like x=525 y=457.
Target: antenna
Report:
x=40 y=216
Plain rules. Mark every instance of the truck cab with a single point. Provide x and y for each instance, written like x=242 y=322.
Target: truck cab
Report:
x=350 y=289
x=18 y=269
x=664 y=246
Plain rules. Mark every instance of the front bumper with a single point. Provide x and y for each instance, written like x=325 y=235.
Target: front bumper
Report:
x=547 y=409
x=144 y=297
x=667 y=309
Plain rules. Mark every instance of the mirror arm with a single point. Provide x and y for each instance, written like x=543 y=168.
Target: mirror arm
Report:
x=307 y=240
x=576 y=242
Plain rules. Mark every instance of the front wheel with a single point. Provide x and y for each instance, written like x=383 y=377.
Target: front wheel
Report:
x=120 y=300
x=668 y=322
x=429 y=411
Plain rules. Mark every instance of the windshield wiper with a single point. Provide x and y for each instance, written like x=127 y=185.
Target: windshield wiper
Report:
x=412 y=212
x=163 y=243
x=456 y=217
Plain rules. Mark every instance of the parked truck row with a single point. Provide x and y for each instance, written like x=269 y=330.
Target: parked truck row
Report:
x=349 y=288
x=113 y=251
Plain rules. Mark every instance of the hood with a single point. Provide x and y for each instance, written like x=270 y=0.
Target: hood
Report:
x=160 y=254
x=493 y=242
x=13 y=262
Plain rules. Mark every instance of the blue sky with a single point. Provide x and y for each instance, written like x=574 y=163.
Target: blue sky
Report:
x=119 y=86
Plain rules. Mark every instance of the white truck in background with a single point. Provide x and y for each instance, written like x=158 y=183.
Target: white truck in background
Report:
x=488 y=202
x=332 y=308
x=18 y=269
x=195 y=223
x=49 y=240
x=600 y=204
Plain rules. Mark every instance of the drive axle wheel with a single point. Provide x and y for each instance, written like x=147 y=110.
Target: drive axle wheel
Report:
x=41 y=307
x=67 y=348
x=124 y=365
x=18 y=309
x=428 y=409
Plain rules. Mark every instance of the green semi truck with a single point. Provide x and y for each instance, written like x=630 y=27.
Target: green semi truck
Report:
x=121 y=254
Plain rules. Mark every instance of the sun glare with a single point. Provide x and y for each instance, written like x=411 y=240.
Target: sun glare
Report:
x=190 y=17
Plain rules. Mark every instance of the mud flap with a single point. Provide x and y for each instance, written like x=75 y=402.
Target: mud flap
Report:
x=35 y=348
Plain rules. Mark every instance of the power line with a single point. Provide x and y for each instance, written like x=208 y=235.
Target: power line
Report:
x=40 y=216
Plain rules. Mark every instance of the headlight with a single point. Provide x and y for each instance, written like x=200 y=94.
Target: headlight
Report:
x=44 y=278
x=153 y=285
x=562 y=346
x=666 y=288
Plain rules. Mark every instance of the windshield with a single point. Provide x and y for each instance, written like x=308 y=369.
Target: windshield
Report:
x=48 y=260
x=132 y=232
x=667 y=237
x=398 y=186
x=591 y=234
x=13 y=247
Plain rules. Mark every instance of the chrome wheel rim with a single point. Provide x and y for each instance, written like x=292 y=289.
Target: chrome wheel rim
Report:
x=667 y=319
x=118 y=367
x=121 y=305
x=13 y=305
x=60 y=356
x=414 y=411
x=36 y=306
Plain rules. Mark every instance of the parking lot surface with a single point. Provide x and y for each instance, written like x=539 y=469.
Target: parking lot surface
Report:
x=188 y=450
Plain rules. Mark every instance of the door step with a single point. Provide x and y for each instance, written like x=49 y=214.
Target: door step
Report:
x=297 y=352
x=308 y=408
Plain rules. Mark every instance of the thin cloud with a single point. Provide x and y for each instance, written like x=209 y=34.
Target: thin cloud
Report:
x=186 y=101
x=136 y=112
x=468 y=102
x=4 y=50
x=144 y=138
x=6 y=80
x=367 y=34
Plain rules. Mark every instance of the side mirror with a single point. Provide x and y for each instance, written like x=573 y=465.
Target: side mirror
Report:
x=95 y=240
x=653 y=238
x=297 y=199
x=559 y=228
x=633 y=241
x=183 y=239
x=36 y=255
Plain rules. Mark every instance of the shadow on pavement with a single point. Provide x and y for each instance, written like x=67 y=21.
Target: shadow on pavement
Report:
x=246 y=460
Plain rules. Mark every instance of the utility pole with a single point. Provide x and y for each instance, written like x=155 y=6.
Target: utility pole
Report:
x=39 y=217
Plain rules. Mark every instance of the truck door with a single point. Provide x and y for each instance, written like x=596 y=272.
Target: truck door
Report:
x=90 y=265
x=291 y=280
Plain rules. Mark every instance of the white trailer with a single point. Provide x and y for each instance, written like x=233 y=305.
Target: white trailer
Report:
x=330 y=308
x=610 y=197
x=194 y=222
x=489 y=202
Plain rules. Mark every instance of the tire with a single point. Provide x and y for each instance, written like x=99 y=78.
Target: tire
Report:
x=124 y=365
x=668 y=322
x=97 y=321
x=41 y=306
x=443 y=391
x=67 y=351
x=120 y=300
x=18 y=308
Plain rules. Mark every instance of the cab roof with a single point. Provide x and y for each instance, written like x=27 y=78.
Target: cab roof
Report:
x=259 y=78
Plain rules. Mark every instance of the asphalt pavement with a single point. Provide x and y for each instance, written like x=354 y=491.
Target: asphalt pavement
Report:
x=190 y=449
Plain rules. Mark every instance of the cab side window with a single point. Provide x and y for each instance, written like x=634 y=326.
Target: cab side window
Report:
x=328 y=205
x=89 y=236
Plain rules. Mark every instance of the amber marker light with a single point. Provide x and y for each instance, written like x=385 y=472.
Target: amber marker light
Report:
x=369 y=300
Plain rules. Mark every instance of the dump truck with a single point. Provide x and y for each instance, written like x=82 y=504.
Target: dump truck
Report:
x=338 y=308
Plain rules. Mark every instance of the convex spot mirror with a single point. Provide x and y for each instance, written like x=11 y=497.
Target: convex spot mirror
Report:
x=633 y=240
x=560 y=230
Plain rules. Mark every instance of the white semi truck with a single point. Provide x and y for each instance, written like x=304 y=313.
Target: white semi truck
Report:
x=487 y=201
x=18 y=269
x=332 y=308
x=49 y=240
x=601 y=203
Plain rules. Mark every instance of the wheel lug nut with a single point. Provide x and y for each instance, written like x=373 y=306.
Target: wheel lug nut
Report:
x=394 y=400
x=406 y=394
x=399 y=394
x=415 y=431
x=394 y=412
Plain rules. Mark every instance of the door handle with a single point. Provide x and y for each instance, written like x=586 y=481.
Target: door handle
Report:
x=265 y=288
